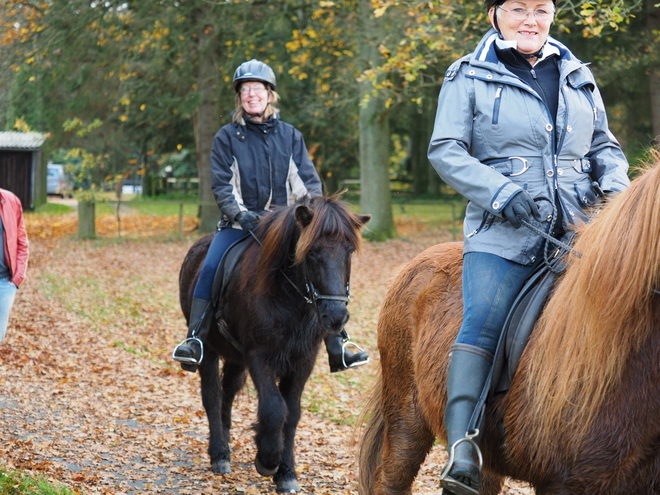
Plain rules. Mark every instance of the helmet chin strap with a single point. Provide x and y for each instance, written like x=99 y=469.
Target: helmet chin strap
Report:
x=253 y=115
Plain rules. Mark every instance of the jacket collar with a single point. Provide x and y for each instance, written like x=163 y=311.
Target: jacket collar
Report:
x=485 y=55
x=485 y=51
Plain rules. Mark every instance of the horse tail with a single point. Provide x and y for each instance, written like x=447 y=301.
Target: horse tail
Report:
x=371 y=445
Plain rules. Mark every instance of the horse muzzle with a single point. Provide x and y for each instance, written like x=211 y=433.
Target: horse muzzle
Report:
x=333 y=315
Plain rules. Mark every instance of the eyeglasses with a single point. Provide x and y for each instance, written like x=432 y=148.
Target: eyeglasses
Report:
x=255 y=89
x=520 y=14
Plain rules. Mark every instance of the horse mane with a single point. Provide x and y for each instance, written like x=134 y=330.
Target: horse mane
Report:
x=598 y=317
x=285 y=242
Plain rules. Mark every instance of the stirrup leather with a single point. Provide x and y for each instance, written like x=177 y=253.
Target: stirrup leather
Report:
x=189 y=360
x=345 y=343
x=447 y=481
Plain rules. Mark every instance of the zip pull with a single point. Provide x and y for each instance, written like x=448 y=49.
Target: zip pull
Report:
x=498 y=92
x=533 y=73
x=595 y=114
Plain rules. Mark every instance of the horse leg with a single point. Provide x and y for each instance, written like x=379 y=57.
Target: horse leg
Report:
x=291 y=388
x=271 y=414
x=407 y=441
x=212 y=400
x=233 y=379
x=491 y=484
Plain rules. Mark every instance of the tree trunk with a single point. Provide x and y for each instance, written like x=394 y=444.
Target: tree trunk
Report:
x=422 y=122
x=206 y=121
x=86 y=219
x=375 y=198
x=653 y=26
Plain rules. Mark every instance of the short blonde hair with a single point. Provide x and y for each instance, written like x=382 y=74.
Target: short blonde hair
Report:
x=239 y=112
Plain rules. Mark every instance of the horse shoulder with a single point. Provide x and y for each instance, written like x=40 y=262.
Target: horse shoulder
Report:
x=418 y=323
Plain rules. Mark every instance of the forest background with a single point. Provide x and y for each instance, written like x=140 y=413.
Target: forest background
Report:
x=128 y=88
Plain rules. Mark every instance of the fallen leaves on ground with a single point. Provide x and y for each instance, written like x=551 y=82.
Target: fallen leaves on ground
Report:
x=89 y=395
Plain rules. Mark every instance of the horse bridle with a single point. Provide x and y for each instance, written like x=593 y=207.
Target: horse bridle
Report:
x=312 y=296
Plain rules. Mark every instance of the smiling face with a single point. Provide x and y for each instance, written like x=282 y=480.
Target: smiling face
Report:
x=254 y=97
x=529 y=31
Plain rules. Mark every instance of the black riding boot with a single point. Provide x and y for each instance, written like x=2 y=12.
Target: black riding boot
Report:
x=190 y=352
x=339 y=356
x=469 y=367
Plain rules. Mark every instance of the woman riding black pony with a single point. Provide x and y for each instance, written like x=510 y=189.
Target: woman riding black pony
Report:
x=257 y=162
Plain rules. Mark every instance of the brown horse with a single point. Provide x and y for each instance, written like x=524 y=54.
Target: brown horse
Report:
x=583 y=412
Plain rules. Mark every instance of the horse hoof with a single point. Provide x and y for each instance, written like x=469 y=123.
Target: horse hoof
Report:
x=221 y=467
x=288 y=486
x=263 y=470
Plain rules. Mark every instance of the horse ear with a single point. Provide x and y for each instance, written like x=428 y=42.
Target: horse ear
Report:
x=363 y=219
x=303 y=215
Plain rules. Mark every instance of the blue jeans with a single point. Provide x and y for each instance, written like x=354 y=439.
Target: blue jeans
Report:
x=7 y=295
x=490 y=285
x=222 y=240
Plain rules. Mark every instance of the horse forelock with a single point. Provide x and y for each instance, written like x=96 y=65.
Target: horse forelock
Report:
x=285 y=243
x=332 y=221
x=278 y=232
x=599 y=316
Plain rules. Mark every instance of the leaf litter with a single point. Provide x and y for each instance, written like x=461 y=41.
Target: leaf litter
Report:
x=90 y=397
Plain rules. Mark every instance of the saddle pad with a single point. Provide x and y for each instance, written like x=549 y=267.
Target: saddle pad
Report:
x=227 y=265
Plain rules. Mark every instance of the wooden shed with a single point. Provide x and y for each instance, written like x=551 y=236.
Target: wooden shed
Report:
x=22 y=168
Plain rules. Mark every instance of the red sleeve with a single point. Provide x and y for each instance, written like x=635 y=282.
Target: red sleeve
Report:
x=21 y=248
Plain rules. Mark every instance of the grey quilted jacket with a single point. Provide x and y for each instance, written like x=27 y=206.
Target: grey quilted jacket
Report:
x=494 y=135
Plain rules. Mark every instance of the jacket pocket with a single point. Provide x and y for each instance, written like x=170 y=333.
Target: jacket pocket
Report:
x=486 y=222
x=585 y=194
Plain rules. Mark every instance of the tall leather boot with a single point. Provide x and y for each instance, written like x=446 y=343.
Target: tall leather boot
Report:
x=190 y=352
x=468 y=371
x=341 y=358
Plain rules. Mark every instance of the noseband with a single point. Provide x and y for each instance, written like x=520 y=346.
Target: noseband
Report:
x=313 y=295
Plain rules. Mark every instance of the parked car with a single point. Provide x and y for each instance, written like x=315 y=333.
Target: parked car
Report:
x=59 y=183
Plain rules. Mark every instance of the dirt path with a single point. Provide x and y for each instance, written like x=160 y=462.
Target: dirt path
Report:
x=89 y=395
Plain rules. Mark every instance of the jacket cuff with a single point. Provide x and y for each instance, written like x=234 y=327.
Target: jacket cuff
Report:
x=503 y=196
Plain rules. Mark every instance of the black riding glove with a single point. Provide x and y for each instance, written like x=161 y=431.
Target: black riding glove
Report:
x=247 y=220
x=521 y=207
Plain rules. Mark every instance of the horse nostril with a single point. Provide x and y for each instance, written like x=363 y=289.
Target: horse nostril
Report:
x=334 y=317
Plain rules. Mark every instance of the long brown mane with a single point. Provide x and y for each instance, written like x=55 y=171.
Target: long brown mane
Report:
x=285 y=242
x=598 y=317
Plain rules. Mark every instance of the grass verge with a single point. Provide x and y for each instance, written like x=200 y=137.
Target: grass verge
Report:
x=19 y=483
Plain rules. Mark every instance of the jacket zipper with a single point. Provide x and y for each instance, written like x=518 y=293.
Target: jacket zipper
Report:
x=496 y=105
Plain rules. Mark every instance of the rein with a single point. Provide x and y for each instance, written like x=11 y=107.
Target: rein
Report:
x=312 y=294
x=551 y=239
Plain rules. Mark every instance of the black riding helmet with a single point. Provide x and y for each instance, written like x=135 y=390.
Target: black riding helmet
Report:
x=254 y=70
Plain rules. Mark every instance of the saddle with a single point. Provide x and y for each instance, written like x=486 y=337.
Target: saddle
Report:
x=226 y=267
x=518 y=327
x=221 y=280
x=522 y=317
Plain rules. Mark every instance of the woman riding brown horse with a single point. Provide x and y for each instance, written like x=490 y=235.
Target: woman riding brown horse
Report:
x=582 y=416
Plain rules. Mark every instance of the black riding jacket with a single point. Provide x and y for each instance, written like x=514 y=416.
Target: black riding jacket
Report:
x=259 y=165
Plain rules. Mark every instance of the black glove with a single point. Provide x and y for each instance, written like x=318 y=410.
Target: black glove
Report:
x=247 y=220
x=521 y=207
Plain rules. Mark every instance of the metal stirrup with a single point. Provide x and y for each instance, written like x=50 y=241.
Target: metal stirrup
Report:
x=469 y=438
x=344 y=345
x=189 y=360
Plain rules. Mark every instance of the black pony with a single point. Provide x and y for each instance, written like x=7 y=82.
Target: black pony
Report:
x=286 y=293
